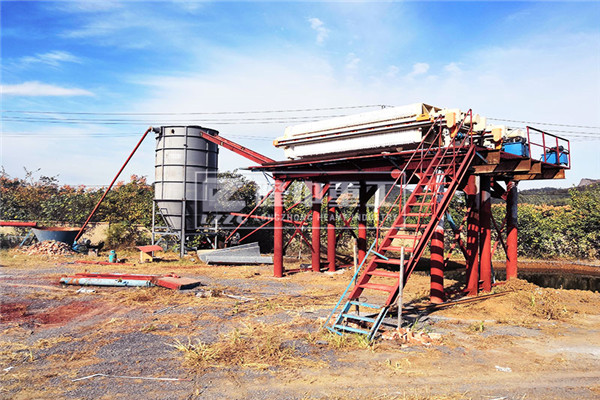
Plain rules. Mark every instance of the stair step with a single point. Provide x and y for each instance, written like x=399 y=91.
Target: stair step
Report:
x=378 y=286
x=351 y=329
x=392 y=261
x=399 y=248
x=416 y=235
x=384 y=273
x=409 y=226
x=414 y=214
x=368 y=305
x=358 y=317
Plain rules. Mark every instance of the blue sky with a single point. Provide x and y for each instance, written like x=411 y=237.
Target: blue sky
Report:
x=525 y=61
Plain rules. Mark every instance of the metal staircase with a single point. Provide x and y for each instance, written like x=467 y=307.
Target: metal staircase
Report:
x=437 y=172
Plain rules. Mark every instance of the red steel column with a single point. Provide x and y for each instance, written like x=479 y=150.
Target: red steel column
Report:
x=485 y=220
x=472 y=274
x=362 y=221
x=316 y=226
x=278 y=230
x=436 y=292
x=331 y=242
x=511 y=230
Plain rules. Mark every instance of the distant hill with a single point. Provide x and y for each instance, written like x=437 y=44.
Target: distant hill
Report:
x=553 y=196
x=586 y=182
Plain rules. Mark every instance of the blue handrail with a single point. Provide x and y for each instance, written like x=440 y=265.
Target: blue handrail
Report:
x=350 y=284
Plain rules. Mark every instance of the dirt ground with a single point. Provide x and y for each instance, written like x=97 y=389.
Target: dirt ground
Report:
x=247 y=335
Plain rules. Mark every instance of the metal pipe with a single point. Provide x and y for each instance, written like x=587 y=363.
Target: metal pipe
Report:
x=485 y=260
x=400 y=286
x=331 y=238
x=511 y=230
x=436 y=292
x=362 y=221
x=316 y=227
x=278 y=230
x=472 y=273
x=111 y=184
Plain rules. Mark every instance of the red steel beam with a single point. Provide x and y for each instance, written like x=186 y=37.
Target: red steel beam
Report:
x=112 y=183
x=237 y=148
x=28 y=224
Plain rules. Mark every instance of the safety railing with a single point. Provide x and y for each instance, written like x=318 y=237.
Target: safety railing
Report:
x=548 y=148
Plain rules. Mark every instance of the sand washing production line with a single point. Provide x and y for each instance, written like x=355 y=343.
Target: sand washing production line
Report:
x=412 y=159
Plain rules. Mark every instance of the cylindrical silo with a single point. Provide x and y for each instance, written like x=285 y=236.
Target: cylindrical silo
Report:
x=185 y=175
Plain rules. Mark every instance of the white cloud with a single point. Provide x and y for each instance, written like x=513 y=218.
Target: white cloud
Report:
x=419 y=69
x=322 y=32
x=392 y=71
x=452 y=68
x=352 y=61
x=34 y=88
x=52 y=58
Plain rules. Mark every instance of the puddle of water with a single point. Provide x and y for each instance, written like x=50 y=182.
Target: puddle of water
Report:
x=544 y=279
x=558 y=280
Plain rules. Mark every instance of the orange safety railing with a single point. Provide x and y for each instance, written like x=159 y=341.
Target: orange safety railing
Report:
x=543 y=144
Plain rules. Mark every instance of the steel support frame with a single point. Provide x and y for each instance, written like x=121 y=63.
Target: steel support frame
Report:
x=317 y=198
x=362 y=221
x=472 y=267
x=331 y=225
x=485 y=234
x=278 y=229
x=436 y=292
x=511 y=230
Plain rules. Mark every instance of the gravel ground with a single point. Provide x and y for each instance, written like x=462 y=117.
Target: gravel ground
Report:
x=52 y=335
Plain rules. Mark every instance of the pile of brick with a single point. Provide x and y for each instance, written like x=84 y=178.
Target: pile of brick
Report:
x=48 y=248
x=409 y=337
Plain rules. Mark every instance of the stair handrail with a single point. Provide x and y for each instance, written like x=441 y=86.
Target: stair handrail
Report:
x=469 y=114
x=403 y=172
x=453 y=146
x=350 y=283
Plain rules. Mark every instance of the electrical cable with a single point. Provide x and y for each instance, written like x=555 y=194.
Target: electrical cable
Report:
x=199 y=113
x=544 y=123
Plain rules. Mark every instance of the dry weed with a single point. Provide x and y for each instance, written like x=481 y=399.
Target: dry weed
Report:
x=258 y=346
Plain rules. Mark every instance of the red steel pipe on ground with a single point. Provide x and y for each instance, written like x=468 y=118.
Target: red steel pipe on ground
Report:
x=278 y=230
x=511 y=231
x=485 y=215
x=316 y=226
x=111 y=184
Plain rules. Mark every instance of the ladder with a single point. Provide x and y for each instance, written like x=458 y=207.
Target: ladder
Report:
x=438 y=175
